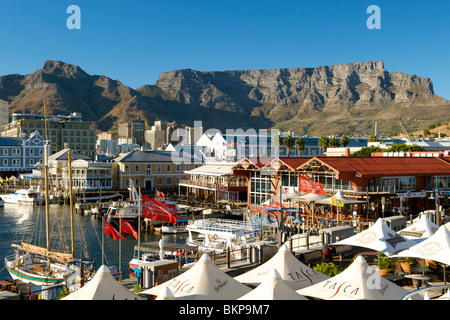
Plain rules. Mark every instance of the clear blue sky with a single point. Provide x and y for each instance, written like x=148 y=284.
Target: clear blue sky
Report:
x=134 y=41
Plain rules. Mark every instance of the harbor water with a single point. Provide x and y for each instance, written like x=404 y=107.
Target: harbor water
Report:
x=25 y=223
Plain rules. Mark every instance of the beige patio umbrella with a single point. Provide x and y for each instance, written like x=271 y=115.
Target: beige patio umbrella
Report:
x=419 y=230
x=296 y=274
x=436 y=248
x=273 y=288
x=103 y=286
x=379 y=237
x=311 y=198
x=203 y=281
x=359 y=281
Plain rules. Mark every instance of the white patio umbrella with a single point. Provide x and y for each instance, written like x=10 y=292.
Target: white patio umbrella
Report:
x=436 y=247
x=359 y=281
x=296 y=274
x=203 y=281
x=379 y=237
x=272 y=288
x=165 y=294
x=311 y=198
x=420 y=230
x=103 y=286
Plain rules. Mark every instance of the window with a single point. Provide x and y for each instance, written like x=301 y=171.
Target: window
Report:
x=5 y=162
x=136 y=168
x=169 y=168
x=148 y=169
x=136 y=182
x=178 y=168
x=31 y=162
x=159 y=181
x=259 y=188
x=5 y=152
x=31 y=152
x=158 y=168
x=169 y=181
x=127 y=183
x=126 y=168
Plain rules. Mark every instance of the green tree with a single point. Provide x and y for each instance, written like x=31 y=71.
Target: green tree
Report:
x=426 y=132
x=289 y=143
x=373 y=138
x=300 y=145
x=334 y=143
x=324 y=143
x=345 y=141
x=366 y=151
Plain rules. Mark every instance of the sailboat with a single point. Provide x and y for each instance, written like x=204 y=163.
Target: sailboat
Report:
x=39 y=265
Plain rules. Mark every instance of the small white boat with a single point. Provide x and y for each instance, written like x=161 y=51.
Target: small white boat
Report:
x=219 y=235
x=126 y=209
x=24 y=196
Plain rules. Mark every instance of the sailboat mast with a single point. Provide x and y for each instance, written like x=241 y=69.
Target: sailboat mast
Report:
x=72 y=234
x=47 y=214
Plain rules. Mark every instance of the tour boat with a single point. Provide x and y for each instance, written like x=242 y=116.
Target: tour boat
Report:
x=24 y=196
x=219 y=235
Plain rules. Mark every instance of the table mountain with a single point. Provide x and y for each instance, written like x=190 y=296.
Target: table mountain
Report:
x=343 y=98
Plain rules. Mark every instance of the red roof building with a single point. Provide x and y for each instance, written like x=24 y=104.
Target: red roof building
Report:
x=388 y=183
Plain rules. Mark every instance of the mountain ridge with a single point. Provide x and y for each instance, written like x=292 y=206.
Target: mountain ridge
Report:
x=304 y=100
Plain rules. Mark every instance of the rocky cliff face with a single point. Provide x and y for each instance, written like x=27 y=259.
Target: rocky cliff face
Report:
x=349 y=96
x=282 y=94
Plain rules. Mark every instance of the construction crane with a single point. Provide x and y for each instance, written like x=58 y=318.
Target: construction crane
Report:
x=404 y=129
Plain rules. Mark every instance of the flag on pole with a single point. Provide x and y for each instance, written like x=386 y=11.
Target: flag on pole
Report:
x=337 y=202
x=309 y=186
x=128 y=228
x=160 y=194
x=156 y=210
x=218 y=191
x=109 y=229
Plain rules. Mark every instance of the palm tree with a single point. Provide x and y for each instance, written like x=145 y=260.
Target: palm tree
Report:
x=277 y=142
x=289 y=143
x=324 y=143
x=345 y=141
x=300 y=145
x=334 y=143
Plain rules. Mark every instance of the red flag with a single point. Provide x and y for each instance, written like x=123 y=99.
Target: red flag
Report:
x=160 y=194
x=218 y=191
x=309 y=186
x=128 y=228
x=109 y=229
x=156 y=210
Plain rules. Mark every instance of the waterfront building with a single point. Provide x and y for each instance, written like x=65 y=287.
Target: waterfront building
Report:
x=216 y=182
x=387 y=184
x=20 y=154
x=57 y=163
x=61 y=130
x=88 y=176
x=153 y=169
